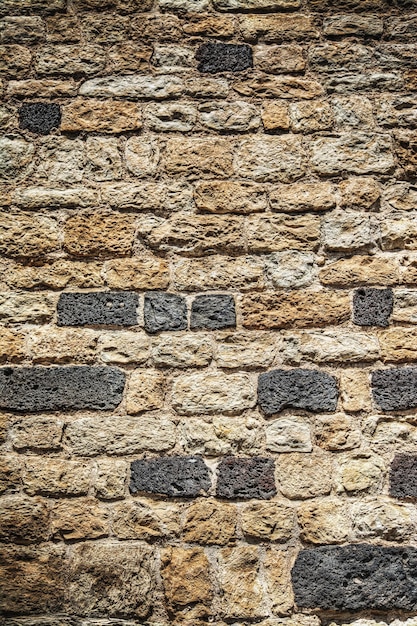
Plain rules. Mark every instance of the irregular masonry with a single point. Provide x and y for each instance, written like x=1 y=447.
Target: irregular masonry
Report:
x=208 y=308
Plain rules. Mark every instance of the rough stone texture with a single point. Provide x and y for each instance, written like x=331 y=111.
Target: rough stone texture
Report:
x=246 y=478
x=164 y=311
x=39 y=117
x=271 y=159
x=288 y=435
x=395 y=389
x=127 y=347
x=137 y=273
x=222 y=435
x=145 y=391
x=102 y=234
x=326 y=577
x=182 y=351
x=381 y=519
x=221 y=57
x=218 y=272
x=80 y=519
x=361 y=471
x=212 y=312
x=229 y=197
x=82 y=387
x=301 y=476
x=311 y=390
x=210 y=523
x=23 y=235
x=81 y=309
x=56 y=477
x=403 y=474
x=324 y=522
x=171 y=476
x=23 y=520
x=268 y=521
x=360 y=270
x=95 y=115
x=372 y=307
x=26 y=307
x=241 y=590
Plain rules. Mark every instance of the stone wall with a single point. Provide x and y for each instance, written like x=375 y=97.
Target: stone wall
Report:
x=208 y=307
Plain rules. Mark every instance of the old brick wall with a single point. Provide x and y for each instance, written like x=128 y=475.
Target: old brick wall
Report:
x=208 y=309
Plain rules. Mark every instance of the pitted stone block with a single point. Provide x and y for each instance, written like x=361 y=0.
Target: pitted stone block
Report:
x=246 y=478
x=395 y=389
x=107 y=307
x=311 y=390
x=164 y=311
x=39 y=117
x=213 y=312
x=223 y=57
x=372 y=307
x=60 y=388
x=356 y=577
x=403 y=476
x=176 y=476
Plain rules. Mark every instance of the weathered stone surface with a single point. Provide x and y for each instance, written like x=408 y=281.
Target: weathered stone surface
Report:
x=239 y=116
x=29 y=307
x=127 y=57
x=16 y=156
x=133 y=87
x=279 y=59
x=300 y=197
x=190 y=350
x=100 y=116
x=111 y=479
x=36 y=433
x=268 y=521
x=280 y=233
x=271 y=159
x=145 y=519
x=63 y=29
x=221 y=435
x=356 y=153
x=209 y=25
x=242 y=595
x=91 y=436
x=401 y=196
x=145 y=391
x=221 y=57
x=301 y=476
x=361 y=471
x=256 y=5
x=277 y=28
x=326 y=577
x=56 y=275
x=399 y=232
x=354 y=390
x=170 y=116
x=173 y=58
x=210 y=523
x=295 y=309
x=337 y=56
x=329 y=346
x=337 y=432
x=80 y=309
x=351 y=24
x=212 y=312
x=23 y=7
x=383 y=519
x=78 y=387
x=403 y=473
x=39 y=117
x=310 y=117
x=12 y=347
x=40 y=197
x=288 y=435
x=186 y=476
x=126 y=347
x=372 y=307
x=54 y=345
x=245 y=478
x=79 y=519
x=99 y=234
x=405 y=306
x=218 y=272
x=324 y=522
x=248 y=350
x=112 y=579
x=68 y=59
x=56 y=477
x=164 y=311
x=23 y=520
x=23 y=235
x=212 y=392
x=61 y=160
x=142 y=156
x=275 y=116
x=104 y=28
x=360 y=193
x=361 y=270
x=395 y=389
x=148 y=196
x=199 y=157
x=290 y=269
x=10 y=470
x=148 y=272
x=398 y=344
x=103 y=160
x=14 y=61
x=287 y=87
x=278 y=579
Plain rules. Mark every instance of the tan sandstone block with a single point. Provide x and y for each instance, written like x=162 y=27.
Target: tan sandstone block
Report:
x=213 y=392
x=280 y=233
x=287 y=87
x=41 y=197
x=61 y=345
x=303 y=476
x=355 y=390
x=268 y=521
x=361 y=471
x=271 y=159
x=145 y=519
x=21 y=307
x=356 y=153
x=123 y=347
x=399 y=232
x=360 y=193
x=219 y=272
x=127 y=57
x=44 y=88
x=209 y=157
x=275 y=116
x=10 y=471
x=56 y=477
x=14 y=61
x=257 y=5
x=405 y=306
x=229 y=197
x=100 y=116
x=142 y=156
x=279 y=59
x=278 y=579
x=189 y=350
x=210 y=522
x=149 y=272
x=99 y=234
x=294 y=309
x=12 y=346
x=55 y=275
x=272 y=28
x=324 y=522
x=361 y=270
x=209 y=25
x=346 y=231
x=83 y=518
x=248 y=350
x=242 y=595
x=291 y=434
x=36 y=433
x=23 y=519
x=25 y=235
x=145 y=391
x=224 y=116
x=398 y=344
x=330 y=346
x=311 y=116
x=300 y=197
x=69 y=59
x=111 y=478
x=221 y=435
x=382 y=519
x=337 y=432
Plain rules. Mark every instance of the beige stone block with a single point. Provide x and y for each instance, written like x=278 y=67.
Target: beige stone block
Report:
x=83 y=518
x=199 y=157
x=10 y=470
x=128 y=56
x=23 y=520
x=4 y=421
x=223 y=116
x=36 y=433
x=222 y=435
x=277 y=566
x=56 y=275
x=104 y=28
x=398 y=435
x=398 y=344
x=311 y=116
x=69 y=59
x=62 y=160
x=111 y=478
x=279 y=59
x=219 y=272
x=268 y=521
x=149 y=272
x=337 y=432
x=41 y=197
x=209 y=25
x=15 y=61
x=213 y=392
x=353 y=112
x=205 y=87
x=56 y=477
x=145 y=519
x=330 y=346
x=189 y=350
x=142 y=156
x=145 y=391
x=24 y=235
x=382 y=519
x=271 y=159
x=359 y=193
x=280 y=233
x=170 y=116
x=287 y=87
x=408 y=269
x=256 y=5
x=61 y=345
x=355 y=153
x=301 y=197
x=210 y=522
x=12 y=345
x=240 y=584
x=100 y=116
x=16 y=158
x=324 y=522
x=134 y=87
x=355 y=390
x=361 y=471
x=148 y=196
x=115 y=435
x=43 y=88
x=247 y=350
x=290 y=269
x=276 y=28
x=401 y=196
x=290 y=434
x=301 y=476
x=186 y=579
x=351 y=24
x=172 y=58
x=294 y=309
x=339 y=56
x=405 y=306
x=99 y=234
x=361 y=270
x=346 y=231
x=229 y=197
x=21 y=307
x=123 y=347
x=275 y=116
x=22 y=29
x=103 y=159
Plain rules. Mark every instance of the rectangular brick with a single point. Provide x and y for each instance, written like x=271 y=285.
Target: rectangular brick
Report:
x=395 y=389
x=276 y=233
x=177 y=476
x=106 y=307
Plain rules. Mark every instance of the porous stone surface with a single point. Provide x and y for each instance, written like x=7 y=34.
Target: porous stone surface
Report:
x=222 y=57
x=403 y=472
x=395 y=389
x=164 y=311
x=298 y=389
x=81 y=309
x=246 y=478
x=39 y=117
x=186 y=476
x=372 y=307
x=212 y=312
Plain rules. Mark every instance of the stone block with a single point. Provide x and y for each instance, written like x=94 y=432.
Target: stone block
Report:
x=93 y=115
x=176 y=476
x=353 y=25
x=302 y=476
x=311 y=390
x=218 y=273
x=238 y=116
x=268 y=521
x=245 y=350
x=105 y=307
x=36 y=433
x=16 y=156
x=126 y=347
x=54 y=345
x=337 y=432
x=199 y=157
x=83 y=518
x=256 y=5
x=395 y=389
x=145 y=519
x=133 y=87
x=221 y=435
x=222 y=57
x=164 y=311
x=24 y=7
x=277 y=28
x=111 y=479
x=14 y=61
x=377 y=518
x=324 y=522
x=398 y=344
x=361 y=472
x=301 y=197
x=290 y=269
x=99 y=234
x=347 y=231
x=271 y=159
x=23 y=235
x=403 y=476
x=288 y=435
x=355 y=153
x=56 y=477
x=39 y=117
x=190 y=350
x=372 y=307
x=145 y=391
x=209 y=522
x=361 y=270
x=279 y=59
x=149 y=272
x=241 y=591
x=68 y=59
x=23 y=520
x=212 y=312
x=246 y=478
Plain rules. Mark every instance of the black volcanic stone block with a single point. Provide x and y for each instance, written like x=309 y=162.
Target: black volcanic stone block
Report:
x=395 y=389
x=224 y=57
x=107 y=307
x=311 y=390
x=246 y=478
x=175 y=476
x=213 y=312
x=60 y=388
x=403 y=476
x=39 y=117
x=372 y=307
x=164 y=311
x=356 y=577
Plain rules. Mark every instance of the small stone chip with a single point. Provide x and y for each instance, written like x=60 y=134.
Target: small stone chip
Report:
x=79 y=309
x=311 y=390
x=372 y=307
x=246 y=478
x=223 y=57
x=395 y=389
x=213 y=312
x=164 y=311
x=39 y=117
x=175 y=476
x=403 y=476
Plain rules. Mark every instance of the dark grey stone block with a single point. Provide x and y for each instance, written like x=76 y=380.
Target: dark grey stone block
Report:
x=224 y=57
x=356 y=577
x=107 y=307
x=164 y=311
x=213 y=312
x=395 y=389
x=60 y=388
x=39 y=117
x=246 y=478
x=311 y=390
x=403 y=476
x=372 y=307
x=175 y=476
